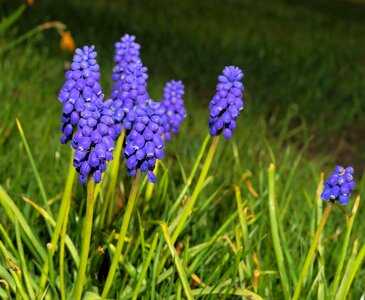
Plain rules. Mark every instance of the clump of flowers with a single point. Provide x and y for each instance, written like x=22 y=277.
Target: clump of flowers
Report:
x=126 y=52
x=227 y=103
x=132 y=91
x=174 y=105
x=339 y=185
x=144 y=143
x=82 y=86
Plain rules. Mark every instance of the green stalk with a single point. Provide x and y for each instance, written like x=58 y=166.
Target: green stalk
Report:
x=312 y=249
x=191 y=176
x=275 y=233
x=112 y=180
x=344 y=247
x=122 y=234
x=190 y=204
x=86 y=237
x=65 y=202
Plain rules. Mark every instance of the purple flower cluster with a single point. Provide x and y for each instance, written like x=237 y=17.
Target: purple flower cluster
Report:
x=82 y=86
x=144 y=143
x=132 y=91
x=339 y=185
x=126 y=52
x=226 y=105
x=174 y=105
x=84 y=109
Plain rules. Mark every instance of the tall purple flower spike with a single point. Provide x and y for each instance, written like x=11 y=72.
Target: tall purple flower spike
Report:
x=174 y=105
x=81 y=86
x=126 y=53
x=144 y=143
x=339 y=185
x=227 y=103
x=133 y=91
x=85 y=110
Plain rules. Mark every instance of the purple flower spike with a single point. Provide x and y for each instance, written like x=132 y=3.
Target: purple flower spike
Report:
x=174 y=105
x=144 y=143
x=81 y=86
x=94 y=140
x=126 y=52
x=339 y=185
x=132 y=91
x=227 y=103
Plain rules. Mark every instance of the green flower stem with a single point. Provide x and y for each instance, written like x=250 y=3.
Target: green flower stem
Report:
x=312 y=249
x=191 y=177
x=61 y=217
x=275 y=233
x=122 y=234
x=112 y=180
x=190 y=204
x=86 y=237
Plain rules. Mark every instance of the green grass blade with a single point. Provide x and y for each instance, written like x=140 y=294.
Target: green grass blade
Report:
x=345 y=246
x=28 y=235
x=353 y=266
x=35 y=170
x=191 y=176
x=145 y=267
x=5 y=23
x=178 y=264
x=23 y=263
x=275 y=233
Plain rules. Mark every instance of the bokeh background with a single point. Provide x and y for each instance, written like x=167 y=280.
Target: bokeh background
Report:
x=304 y=65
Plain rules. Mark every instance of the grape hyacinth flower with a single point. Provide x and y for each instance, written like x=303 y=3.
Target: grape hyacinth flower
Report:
x=174 y=105
x=227 y=103
x=144 y=143
x=339 y=185
x=133 y=91
x=82 y=86
x=94 y=140
x=126 y=52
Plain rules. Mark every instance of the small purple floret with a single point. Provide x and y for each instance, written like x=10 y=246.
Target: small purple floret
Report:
x=174 y=105
x=339 y=185
x=144 y=143
x=227 y=103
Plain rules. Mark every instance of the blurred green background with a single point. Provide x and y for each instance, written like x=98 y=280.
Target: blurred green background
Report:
x=302 y=58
